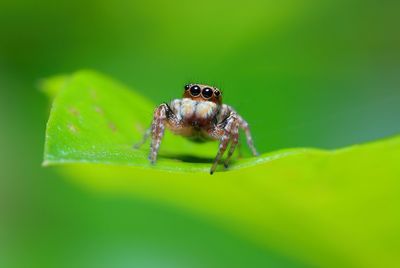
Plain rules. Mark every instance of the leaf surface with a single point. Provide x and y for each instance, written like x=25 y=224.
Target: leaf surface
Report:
x=336 y=208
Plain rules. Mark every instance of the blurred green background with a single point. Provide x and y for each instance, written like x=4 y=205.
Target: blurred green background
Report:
x=303 y=73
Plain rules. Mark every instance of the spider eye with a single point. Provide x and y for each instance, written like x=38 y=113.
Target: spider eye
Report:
x=207 y=92
x=195 y=91
x=187 y=87
x=217 y=93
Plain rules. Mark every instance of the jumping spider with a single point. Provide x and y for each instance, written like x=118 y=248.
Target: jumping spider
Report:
x=201 y=116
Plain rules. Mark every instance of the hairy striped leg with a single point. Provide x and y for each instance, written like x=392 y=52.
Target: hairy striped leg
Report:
x=162 y=115
x=144 y=139
x=223 y=131
x=234 y=143
x=245 y=126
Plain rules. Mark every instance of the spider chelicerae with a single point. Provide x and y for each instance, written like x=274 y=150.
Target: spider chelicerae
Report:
x=201 y=116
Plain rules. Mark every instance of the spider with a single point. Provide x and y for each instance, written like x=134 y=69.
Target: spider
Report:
x=199 y=116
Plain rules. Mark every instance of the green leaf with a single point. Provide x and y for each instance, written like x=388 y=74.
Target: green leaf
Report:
x=97 y=120
x=335 y=208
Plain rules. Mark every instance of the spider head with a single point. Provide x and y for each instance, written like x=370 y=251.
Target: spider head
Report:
x=201 y=92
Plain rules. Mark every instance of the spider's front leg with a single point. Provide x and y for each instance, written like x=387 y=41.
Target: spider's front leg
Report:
x=162 y=115
x=226 y=131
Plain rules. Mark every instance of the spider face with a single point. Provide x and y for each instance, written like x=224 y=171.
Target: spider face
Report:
x=200 y=92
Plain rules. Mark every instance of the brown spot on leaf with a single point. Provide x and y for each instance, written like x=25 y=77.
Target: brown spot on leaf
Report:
x=99 y=110
x=72 y=128
x=112 y=126
x=74 y=111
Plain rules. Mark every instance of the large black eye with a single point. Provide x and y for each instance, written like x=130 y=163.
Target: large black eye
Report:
x=187 y=87
x=207 y=93
x=195 y=90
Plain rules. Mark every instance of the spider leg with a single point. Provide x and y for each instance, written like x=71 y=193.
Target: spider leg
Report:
x=224 y=131
x=245 y=126
x=162 y=115
x=234 y=143
x=144 y=139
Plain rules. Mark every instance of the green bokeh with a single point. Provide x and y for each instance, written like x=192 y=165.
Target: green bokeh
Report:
x=310 y=73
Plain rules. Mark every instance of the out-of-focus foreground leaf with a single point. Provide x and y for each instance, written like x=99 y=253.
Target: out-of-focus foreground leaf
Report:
x=329 y=208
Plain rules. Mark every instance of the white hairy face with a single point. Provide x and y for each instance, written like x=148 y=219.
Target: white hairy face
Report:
x=188 y=109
